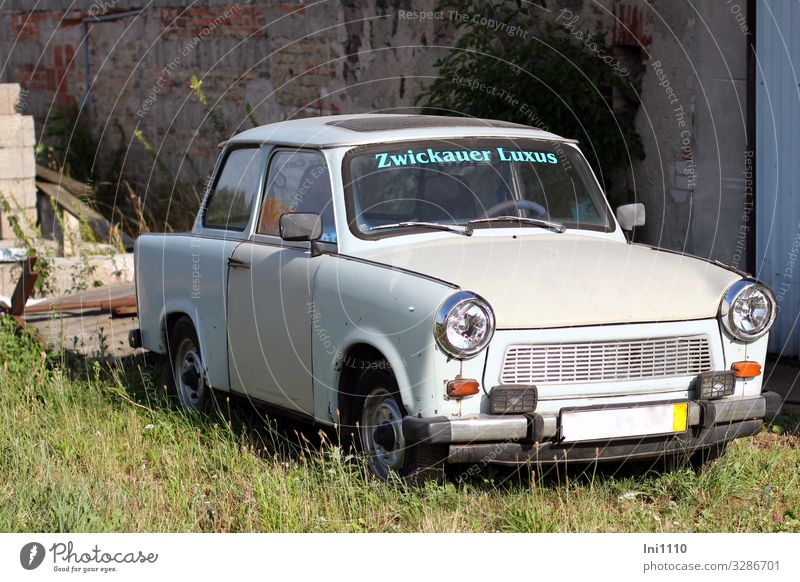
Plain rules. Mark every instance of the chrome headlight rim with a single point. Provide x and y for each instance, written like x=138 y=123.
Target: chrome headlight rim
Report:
x=440 y=324
x=726 y=309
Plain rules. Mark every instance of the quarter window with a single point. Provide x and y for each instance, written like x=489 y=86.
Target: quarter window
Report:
x=236 y=188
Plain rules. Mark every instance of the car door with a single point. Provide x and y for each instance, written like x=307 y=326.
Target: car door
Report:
x=199 y=263
x=270 y=287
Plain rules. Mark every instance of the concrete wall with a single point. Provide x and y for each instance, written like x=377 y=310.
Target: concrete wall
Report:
x=17 y=161
x=289 y=59
x=692 y=119
x=723 y=194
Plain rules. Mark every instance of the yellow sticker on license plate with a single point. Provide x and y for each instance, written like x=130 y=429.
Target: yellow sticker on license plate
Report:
x=680 y=416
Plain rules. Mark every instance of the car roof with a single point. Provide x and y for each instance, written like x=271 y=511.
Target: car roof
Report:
x=344 y=130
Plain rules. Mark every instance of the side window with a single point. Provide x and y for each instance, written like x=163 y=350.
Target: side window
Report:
x=236 y=188
x=297 y=182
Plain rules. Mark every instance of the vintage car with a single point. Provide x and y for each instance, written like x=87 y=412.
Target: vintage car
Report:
x=449 y=290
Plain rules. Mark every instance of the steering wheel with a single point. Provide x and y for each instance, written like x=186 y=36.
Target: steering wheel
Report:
x=504 y=208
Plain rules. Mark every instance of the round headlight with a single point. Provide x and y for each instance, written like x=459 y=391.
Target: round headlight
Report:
x=464 y=325
x=748 y=310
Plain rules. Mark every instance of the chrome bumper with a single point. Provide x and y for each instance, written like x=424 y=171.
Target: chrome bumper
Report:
x=535 y=428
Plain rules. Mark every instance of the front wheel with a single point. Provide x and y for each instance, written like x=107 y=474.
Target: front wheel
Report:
x=379 y=415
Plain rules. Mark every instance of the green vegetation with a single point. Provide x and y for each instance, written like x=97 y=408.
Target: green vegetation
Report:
x=97 y=446
x=28 y=235
x=546 y=78
x=69 y=145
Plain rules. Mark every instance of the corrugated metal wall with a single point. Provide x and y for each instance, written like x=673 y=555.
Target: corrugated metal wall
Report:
x=778 y=163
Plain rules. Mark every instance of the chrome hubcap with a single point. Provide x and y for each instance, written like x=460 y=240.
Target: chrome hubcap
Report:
x=382 y=433
x=189 y=377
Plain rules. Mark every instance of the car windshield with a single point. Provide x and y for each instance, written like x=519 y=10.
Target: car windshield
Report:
x=390 y=187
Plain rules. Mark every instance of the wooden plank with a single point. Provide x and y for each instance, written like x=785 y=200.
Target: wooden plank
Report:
x=109 y=293
x=91 y=323
x=75 y=187
x=103 y=305
x=125 y=310
x=99 y=224
x=89 y=333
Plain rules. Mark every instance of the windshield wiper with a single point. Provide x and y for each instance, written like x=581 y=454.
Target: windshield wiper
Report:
x=554 y=226
x=465 y=230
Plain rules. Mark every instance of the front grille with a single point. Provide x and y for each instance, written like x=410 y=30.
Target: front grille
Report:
x=606 y=361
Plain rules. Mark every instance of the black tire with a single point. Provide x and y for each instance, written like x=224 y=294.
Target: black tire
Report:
x=376 y=422
x=183 y=370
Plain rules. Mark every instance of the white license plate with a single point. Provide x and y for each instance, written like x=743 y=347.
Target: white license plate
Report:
x=610 y=423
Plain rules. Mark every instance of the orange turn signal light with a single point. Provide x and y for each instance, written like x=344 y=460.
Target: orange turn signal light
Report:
x=746 y=369
x=462 y=387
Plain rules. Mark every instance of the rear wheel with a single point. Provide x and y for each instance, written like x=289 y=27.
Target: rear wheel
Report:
x=379 y=415
x=186 y=374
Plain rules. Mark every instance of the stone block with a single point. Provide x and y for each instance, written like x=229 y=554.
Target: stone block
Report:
x=23 y=190
x=17 y=131
x=17 y=162
x=7 y=233
x=9 y=97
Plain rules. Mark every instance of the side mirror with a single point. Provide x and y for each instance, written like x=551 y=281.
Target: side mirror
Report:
x=301 y=226
x=630 y=215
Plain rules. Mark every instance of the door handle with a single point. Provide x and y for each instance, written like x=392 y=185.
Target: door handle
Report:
x=238 y=264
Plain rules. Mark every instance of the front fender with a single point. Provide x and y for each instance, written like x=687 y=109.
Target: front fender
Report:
x=413 y=384
x=390 y=310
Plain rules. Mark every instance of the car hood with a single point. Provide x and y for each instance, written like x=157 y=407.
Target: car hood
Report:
x=556 y=280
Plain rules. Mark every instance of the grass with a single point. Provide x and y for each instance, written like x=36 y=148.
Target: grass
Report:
x=97 y=446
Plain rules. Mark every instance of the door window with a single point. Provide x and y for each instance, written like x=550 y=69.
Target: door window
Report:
x=298 y=181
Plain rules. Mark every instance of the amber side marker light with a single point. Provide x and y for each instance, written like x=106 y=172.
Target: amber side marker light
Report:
x=462 y=387
x=746 y=369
